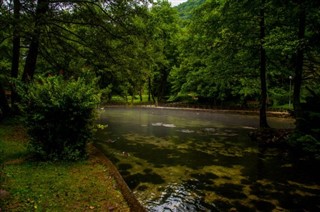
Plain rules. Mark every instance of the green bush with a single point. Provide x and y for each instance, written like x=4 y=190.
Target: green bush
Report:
x=305 y=144
x=306 y=140
x=279 y=96
x=59 y=116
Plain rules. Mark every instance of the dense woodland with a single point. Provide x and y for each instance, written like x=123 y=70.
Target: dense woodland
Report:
x=216 y=52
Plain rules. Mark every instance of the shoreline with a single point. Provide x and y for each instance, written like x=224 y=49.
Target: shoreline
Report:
x=270 y=113
x=126 y=192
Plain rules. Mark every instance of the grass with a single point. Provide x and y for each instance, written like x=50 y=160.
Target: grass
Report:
x=27 y=185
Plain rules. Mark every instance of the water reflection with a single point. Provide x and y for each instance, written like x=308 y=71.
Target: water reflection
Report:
x=193 y=161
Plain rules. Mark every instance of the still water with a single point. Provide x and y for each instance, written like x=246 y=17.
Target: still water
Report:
x=179 y=160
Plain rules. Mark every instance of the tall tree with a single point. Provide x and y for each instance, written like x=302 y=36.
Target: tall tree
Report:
x=4 y=58
x=263 y=81
x=163 y=24
x=225 y=41
x=296 y=40
x=70 y=37
x=31 y=59
x=4 y=106
x=299 y=64
x=15 y=48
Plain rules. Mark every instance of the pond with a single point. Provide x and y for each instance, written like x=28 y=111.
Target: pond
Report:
x=180 y=160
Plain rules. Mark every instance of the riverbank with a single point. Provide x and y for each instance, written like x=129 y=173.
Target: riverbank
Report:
x=270 y=113
x=26 y=185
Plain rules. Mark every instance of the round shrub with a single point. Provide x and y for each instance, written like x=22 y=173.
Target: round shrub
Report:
x=59 y=116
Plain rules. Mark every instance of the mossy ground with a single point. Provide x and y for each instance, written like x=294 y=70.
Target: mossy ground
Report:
x=27 y=185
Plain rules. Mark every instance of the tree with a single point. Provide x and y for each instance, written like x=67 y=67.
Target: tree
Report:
x=67 y=36
x=163 y=29
x=39 y=21
x=263 y=98
x=294 y=41
x=221 y=52
x=4 y=106
x=185 y=9
x=15 y=49
x=4 y=60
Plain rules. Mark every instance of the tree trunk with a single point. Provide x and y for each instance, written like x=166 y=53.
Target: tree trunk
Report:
x=149 y=89
x=163 y=85
x=31 y=60
x=15 y=52
x=4 y=106
x=16 y=41
x=299 y=68
x=263 y=100
x=140 y=94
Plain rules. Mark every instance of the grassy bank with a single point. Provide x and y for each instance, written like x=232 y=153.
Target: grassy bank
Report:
x=26 y=185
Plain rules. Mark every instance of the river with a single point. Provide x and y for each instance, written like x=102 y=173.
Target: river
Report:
x=182 y=160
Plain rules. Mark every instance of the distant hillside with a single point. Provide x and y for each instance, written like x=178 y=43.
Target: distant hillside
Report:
x=186 y=8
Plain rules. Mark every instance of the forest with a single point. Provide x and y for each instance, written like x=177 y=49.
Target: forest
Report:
x=222 y=53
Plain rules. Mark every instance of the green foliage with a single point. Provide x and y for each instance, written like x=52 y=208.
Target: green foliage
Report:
x=219 y=49
x=305 y=144
x=162 y=32
x=279 y=96
x=307 y=138
x=185 y=8
x=59 y=116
